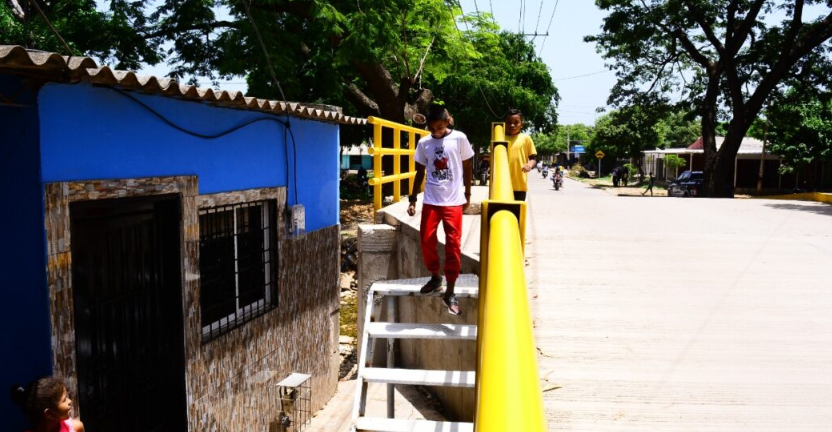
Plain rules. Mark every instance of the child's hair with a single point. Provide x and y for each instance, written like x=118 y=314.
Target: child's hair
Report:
x=437 y=112
x=513 y=112
x=39 y=395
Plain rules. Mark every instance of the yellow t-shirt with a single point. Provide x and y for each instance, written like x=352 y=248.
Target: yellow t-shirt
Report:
x=520 y=148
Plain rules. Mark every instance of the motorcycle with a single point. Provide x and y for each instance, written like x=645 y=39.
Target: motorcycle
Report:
x=557 y=181
x=545 y=173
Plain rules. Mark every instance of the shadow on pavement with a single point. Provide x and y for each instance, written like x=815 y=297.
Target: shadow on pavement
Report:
x=812 y=207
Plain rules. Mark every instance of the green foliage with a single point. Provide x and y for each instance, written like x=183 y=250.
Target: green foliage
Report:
x=117 y=37
x=677 y=130
x=628 y=131
x=673 y=161
x=725 y=57
x=372 y=57
x=801 y=128
x=494 y=80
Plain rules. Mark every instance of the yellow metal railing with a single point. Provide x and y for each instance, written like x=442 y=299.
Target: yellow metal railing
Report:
x=377 y=151
x=509 y=396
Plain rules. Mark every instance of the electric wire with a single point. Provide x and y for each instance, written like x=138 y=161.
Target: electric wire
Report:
x=184 y=130
x=537 y=24
x=581 y=76
x=551 y=19
x=485 y=98
x=268 y=118
x=51 y=27
x=282 y=95
x=491 y=6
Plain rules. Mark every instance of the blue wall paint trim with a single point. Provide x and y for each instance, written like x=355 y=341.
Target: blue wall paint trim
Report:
x=92 y=132
x=25 y=338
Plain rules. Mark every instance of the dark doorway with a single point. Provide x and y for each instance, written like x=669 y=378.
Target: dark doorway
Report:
x=128 y=314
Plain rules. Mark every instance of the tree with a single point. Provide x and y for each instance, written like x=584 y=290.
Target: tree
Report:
x=114 y=37
x=628 y=132
x=674 y=162
x=677 y=130
x=734 y=60
x=505 y=73
x=801 y=128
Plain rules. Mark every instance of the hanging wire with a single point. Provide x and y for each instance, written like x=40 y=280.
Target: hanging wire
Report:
x=491 y=6
x=484 y=97
x=551 y=19
x=537 y=24
x=51 y=27
x=282 y=95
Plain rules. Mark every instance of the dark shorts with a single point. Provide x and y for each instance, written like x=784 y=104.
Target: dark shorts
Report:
x=519 y=195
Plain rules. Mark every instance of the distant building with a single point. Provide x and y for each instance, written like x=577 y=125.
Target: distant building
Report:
x=355 y=157
x=747 y=165
x=144 y=253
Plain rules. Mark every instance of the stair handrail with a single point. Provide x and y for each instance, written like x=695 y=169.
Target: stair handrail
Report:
x=508 y=391
x=378 y=150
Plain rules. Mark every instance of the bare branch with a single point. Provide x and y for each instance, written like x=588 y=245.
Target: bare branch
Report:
x=424 y=57
x=181 y=29
x=735 y=42
x=366 y=105
x=709 y=32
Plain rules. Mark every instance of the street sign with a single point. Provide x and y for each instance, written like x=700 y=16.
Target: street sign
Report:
x=578 y=149
x=599 y=154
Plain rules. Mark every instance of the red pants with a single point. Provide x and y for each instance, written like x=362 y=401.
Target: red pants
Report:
x=451 y=218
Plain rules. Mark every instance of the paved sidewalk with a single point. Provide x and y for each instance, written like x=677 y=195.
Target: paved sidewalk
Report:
x=671 y=314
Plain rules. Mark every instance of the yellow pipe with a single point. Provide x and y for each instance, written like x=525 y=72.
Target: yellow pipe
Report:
x=388 y=151
x=498 y=131
x=509 y=397
x=376 y=169
x=501 y=189
x=391 y=178
x=397 y=165
x=411 y=164
x=398 y=126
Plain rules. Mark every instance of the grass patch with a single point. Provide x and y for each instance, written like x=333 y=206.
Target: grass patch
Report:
x=349 y=316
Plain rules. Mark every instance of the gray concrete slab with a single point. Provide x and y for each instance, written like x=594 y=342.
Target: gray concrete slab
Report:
x=670 y=314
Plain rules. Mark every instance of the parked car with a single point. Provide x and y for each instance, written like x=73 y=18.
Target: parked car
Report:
x=689 y=183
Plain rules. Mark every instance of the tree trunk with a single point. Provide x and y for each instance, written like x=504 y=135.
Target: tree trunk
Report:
x=714 y=178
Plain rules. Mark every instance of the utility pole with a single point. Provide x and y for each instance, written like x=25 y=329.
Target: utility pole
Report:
x=568 y=144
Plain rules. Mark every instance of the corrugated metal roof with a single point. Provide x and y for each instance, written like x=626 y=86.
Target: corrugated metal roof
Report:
x=54 y=67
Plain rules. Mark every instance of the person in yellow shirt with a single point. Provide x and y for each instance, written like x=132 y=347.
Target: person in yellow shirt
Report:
x=522 y=156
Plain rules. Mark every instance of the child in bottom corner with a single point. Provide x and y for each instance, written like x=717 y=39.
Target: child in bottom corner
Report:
x=46 y=404
x=444 y=161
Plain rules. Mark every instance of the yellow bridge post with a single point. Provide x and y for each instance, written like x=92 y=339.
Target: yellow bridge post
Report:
x=378 y=151
x=509 y=396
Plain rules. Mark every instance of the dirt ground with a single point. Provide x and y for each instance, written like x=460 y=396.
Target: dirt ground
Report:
x=353 y=213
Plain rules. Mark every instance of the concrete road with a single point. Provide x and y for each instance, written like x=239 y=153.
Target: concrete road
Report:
x=670 y=314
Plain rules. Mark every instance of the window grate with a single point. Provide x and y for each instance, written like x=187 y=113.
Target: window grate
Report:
x=237 y=264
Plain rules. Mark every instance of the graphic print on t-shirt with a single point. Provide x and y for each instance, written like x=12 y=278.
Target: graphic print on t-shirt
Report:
x=442 y=170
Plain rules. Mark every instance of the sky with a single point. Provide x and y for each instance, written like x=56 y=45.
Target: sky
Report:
x=578 y=71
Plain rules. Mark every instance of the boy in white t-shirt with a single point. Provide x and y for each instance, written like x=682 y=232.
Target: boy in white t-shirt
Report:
x=444 y=159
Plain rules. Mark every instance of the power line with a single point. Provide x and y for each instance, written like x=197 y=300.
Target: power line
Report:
x=551 y=19
x=539 y=13
x=491 y=6
x=265 y=51
x=51 y=27
x=581 y=76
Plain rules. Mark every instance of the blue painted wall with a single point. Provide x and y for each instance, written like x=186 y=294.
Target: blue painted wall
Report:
x=92 y=132
x=24 y=338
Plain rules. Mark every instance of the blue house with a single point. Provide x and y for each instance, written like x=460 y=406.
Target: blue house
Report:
x=150 y=250
x=355 y=157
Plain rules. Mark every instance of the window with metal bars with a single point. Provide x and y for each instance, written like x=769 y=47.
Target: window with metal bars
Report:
x=237 y=264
